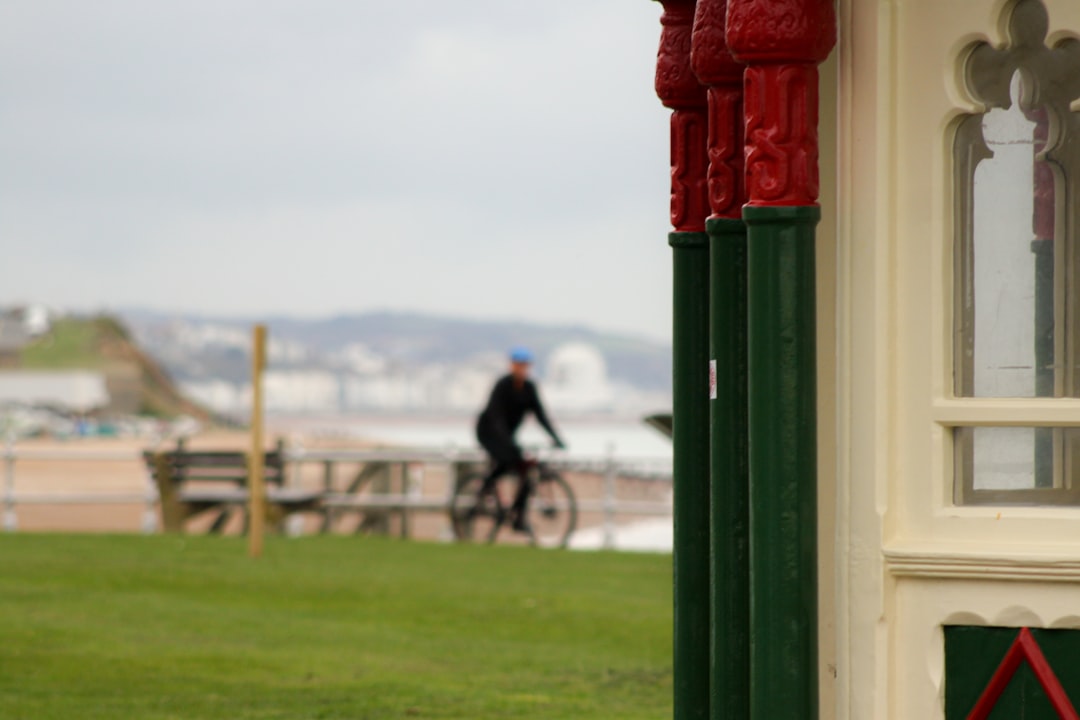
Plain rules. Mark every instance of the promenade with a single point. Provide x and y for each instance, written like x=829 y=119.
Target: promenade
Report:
x=102 y=485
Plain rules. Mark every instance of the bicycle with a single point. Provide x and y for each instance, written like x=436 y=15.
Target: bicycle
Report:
x=551 y=516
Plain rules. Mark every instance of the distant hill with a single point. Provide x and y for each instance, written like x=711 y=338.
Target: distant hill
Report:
x=405 y=338
x=136 y=383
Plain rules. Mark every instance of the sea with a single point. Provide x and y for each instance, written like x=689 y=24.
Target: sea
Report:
x=628 y=440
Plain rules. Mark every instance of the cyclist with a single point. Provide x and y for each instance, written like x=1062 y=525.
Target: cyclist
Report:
x=513 y=396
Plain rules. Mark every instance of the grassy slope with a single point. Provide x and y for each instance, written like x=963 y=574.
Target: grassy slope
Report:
x=70 y=344
x=99 y=343
x=328 y=627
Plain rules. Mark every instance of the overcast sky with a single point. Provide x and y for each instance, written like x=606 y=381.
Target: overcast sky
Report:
x=486 y=159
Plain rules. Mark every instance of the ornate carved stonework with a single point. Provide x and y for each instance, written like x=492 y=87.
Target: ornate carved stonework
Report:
x=679 y=89
x=726 y=178
x=709 y=55
x=1051 y=83
x=761 y=31
x=689 y=161
x=781 y=41
x=676 y=84
x=989 y=69
x=781 y=107
x=716 y=69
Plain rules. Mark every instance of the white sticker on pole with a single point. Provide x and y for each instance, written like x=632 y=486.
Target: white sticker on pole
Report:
x=712 y=379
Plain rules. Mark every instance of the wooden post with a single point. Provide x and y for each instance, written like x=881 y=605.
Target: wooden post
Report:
x=172 y=517
x=256 y=480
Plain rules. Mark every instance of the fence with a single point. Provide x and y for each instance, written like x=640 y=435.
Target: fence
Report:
x=407 y=468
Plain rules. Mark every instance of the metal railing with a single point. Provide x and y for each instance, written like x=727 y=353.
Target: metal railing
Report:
x=409 y=499
x=13 y=454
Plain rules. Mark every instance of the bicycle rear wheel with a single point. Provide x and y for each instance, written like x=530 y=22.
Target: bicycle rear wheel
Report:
x=552 y=511
x=476 y=518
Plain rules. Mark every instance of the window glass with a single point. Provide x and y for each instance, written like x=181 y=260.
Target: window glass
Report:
x=1018 y=464
x=1016 y=313
x=1004 y=269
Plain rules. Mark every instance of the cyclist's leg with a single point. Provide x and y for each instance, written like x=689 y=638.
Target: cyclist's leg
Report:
x=506 y=457
x=504 y=454
x=520 y=507
x=498 y=469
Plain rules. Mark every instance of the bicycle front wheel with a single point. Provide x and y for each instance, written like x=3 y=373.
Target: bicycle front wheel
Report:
x=552 y=511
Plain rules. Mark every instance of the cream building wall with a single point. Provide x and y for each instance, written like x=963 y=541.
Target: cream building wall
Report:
x=907 y=560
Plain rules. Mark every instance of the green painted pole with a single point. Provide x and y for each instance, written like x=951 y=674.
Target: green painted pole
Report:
x=781 y=45
x=690 y=411
x=783 y=461
x=729 y=563
x=730 y=521
x=679 y=89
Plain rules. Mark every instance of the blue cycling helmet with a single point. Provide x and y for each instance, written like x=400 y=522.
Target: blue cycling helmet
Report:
x=521 y=355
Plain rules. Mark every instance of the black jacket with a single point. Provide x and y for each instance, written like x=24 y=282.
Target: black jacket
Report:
x=506 y=409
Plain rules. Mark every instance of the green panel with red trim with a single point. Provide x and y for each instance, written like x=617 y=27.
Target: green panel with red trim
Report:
x=977 y=658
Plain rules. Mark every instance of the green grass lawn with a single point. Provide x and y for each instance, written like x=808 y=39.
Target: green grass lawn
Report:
x=149 y=627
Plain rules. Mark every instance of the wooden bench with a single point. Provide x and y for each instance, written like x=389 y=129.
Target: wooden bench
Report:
x=371 y=494
x=193 y=482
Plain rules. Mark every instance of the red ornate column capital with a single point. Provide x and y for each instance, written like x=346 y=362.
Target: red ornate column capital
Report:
x=679 y=89
x=781 y=31
x=723 y=76
x=781 y=42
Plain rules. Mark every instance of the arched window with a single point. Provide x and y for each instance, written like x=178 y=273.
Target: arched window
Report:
x=1017 y=261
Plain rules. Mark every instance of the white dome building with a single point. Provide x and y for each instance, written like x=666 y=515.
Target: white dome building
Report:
x=575 y=379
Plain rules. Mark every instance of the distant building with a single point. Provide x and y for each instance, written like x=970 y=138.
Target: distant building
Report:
x=221 y=396
x=70 y=390
x=18 y=326
x=13 y=337
x=301 y=390
x=576 y=379
x=37 y=319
